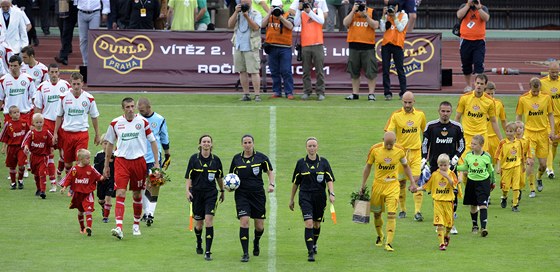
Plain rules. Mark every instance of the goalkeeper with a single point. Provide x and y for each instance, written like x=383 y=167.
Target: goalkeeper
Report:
x=159 y=128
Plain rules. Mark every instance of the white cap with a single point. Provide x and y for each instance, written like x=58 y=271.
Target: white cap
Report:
x=276 y=3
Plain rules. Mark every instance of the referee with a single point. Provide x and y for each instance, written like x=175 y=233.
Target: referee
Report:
x=443 y=136
x=203 y=171
x=250 y=199
x=312 y=174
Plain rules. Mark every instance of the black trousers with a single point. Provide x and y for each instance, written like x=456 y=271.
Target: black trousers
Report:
x=66 y=27
x=397 y=53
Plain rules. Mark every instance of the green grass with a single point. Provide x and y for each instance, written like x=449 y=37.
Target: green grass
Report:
x=43 y=234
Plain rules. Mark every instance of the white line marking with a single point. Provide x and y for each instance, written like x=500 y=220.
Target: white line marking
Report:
x=272 y=196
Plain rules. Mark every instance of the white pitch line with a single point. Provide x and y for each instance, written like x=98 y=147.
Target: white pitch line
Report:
x=272 y=196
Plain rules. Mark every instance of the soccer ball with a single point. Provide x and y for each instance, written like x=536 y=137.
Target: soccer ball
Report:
x=231 y=182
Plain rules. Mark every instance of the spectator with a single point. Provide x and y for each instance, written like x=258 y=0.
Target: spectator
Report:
x=162 y=19
x=67 y=18
x=338 y=10
x=361 y=44
x=473 y=44
x=25 y=6
x=246 y=24
x=311 y=17
x=44 y=10
x=279 y=26
x=142 y=14
x=180 y=14
x=89 y=17
x=393 y=25
x=119 y=14
x=14 y=26
x=202 y=17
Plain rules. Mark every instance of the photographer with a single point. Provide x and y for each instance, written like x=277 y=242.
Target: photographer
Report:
x=393 y=24
x=408 y=6
x=473 y=33
x=310 y=15
x=246 y=40
x=361 y=44
x=278 y=47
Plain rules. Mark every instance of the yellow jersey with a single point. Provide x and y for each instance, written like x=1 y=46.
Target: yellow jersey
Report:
x=509 y=153
x=385 y=162
x=440 y=187
x=535 y=110
x=526 y=147
x=500 y=115
x=408 y=126
x=476 y=112
x=552 y=88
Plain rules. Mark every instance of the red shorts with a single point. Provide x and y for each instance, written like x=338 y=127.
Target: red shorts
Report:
x=39 y=165
x=15 y=156
x=27 y=117
x=82 y=201
x=71 y=143
x=49 y=125
x=130 y=170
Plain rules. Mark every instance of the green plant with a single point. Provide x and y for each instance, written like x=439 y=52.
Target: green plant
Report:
x=359 y=195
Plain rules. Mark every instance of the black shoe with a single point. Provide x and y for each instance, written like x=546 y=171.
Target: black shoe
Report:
x=503 y=204
x=314 y=249
x=388 y=97
x=199 y=250
x=149 y=220
x=43 y=195
x=88 y=230
x=61 y=60
x=35 y=41
x=46 y=32
x=515 y=209
x=256 y=250
x=207 y=256
x=245 y=258
x=353 y=97
x=13 y=187
x=144 y=217
x=539 y=185
x=310 y=256
x=37 y=193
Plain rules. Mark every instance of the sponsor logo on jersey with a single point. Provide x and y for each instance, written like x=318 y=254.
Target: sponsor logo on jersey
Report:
x=386 y=167
x=18 y=134
x=16 y=91
x=138 y=126
x=387 y=160
x=511 y=159
x=409 y=123
x=23 y=83
x=448 y=140
x=417 y=52
x=476 y=107
x=82 y=181
x=123 y=55
x=535 y=106
x=442 y=191
x=444 y=132
x=38 y=145
x=475 y=114
x=84 y=104
x=536 y=113
x=36 y=74
x=127 y=136
x=75 y=112
x=53 y=98
x=409 y=130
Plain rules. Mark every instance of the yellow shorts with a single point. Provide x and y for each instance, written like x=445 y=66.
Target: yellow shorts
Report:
x=385 y=196
x=468 y=139
x=522 y=179
x=539 y=143
x=556 y=127
x=511 y=178
x=249 y=61
x=443 y=213
x=414 y=160
x=493 y=143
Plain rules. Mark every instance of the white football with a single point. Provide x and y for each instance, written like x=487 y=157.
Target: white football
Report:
x=231 y=182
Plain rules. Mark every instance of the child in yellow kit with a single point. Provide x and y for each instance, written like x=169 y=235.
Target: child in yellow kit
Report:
x=527 y=171
x=441 y=184
x=509 y=164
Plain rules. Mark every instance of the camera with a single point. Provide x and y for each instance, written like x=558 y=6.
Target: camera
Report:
x=244 y=7
x=361 y=6
x=388 y=25
x=298 y=52
x=305 y=5
x=391 y=9
x=277 y=11
x=475 y=2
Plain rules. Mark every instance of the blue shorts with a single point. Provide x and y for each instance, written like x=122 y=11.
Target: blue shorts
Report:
x=409 y=6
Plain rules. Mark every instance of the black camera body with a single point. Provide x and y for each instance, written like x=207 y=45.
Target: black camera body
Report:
x=391 y=9
x=298 y=52
x=475 y=2
x=277 y=11
x=305 y=5
x=361 y=6
x=244 y=7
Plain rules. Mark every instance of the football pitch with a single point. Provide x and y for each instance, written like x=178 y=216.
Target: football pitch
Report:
x=43 y=235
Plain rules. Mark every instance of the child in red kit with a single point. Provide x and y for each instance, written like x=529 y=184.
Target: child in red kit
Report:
x=83 y=178
x=12 y=136
x=38 y=143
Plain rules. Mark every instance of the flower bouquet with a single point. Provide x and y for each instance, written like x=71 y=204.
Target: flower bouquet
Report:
x=158 y=177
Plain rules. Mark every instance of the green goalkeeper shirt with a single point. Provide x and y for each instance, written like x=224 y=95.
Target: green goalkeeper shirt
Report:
x=479 y=167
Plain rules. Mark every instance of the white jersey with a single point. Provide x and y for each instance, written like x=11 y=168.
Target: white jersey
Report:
x=39 y=72
x=47 y=97
x=17 y=91
x=5 y=54
x=130 y=137
x=75 y=111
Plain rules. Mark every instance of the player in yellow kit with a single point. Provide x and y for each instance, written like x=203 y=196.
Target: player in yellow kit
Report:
x=384 y=158
x=509 y=161
x=527 y=171
x=537 y=110
x=409 y=123
x=492 y=138
x=550 y=85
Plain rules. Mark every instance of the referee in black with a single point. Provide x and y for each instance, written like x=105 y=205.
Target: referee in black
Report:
x=441 y=136
x=203 y=171
x=312 y=174
x=250 y=198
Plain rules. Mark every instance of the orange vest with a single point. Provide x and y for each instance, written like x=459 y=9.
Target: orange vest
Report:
x=393 y=36
x=477 y=29
x=359 y=31
x=273 y=34
x=311 y=31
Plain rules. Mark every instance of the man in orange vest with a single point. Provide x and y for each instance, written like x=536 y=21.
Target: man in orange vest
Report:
x=473 y=33
x=361 y=45
x=393 y=25
x=278 y=46
x=311 y=16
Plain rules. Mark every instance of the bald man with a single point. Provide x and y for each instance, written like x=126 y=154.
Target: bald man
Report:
x=408 y=124
x=159 y=128
x=385 y=157
x=550 y=85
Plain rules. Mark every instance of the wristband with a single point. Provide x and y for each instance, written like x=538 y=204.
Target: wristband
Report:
x=222 y=190
x=273 y=185
x=331 y=193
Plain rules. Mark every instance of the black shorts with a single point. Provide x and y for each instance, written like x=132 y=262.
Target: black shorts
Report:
x=203 y=203
x=313 y=205
x=477 y=192
x=251 y=204
x=105 y=188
